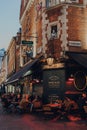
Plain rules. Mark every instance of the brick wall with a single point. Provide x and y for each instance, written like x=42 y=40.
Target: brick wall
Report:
x=11 y=57
x=77 y=25
x=72 y=23
x=54 y=46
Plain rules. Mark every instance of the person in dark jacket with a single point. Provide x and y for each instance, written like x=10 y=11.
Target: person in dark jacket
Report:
x=82 y=102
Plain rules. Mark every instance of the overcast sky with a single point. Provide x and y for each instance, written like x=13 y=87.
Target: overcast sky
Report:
x=9 y=21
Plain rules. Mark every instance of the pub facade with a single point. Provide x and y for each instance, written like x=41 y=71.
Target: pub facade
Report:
x=53 y=47
x=64 y=36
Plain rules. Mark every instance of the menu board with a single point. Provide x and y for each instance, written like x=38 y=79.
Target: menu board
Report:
x=53 y=84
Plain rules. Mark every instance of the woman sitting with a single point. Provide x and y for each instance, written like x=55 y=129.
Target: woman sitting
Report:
x=23 y=104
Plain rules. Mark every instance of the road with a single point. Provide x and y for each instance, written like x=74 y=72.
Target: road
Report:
x=33 y=122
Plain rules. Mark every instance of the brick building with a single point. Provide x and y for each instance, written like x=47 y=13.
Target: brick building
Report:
x=13 y=60
x=31 y=23
x=31 y=37
x=68 y=20
x=17 y=54
x=54 y=27
x=50 y=28
x=64 y=29
x=11 y=57
x=66 y=17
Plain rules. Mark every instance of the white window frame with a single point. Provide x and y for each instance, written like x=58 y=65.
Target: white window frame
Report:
x=54 y=34
x=49 y=30
x=76 y=1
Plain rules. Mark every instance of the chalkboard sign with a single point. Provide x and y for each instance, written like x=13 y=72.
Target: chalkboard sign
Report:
x=53 y=84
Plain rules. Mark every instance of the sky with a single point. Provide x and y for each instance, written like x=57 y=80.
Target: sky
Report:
x=9 y=21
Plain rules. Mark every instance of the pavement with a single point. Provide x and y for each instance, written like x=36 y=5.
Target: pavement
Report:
x=13 y=121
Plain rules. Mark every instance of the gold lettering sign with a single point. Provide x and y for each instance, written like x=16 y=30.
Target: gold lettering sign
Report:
x=54 y=82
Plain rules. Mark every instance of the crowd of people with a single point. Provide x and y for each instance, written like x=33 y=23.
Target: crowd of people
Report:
x=27 y=103
x=16 y=103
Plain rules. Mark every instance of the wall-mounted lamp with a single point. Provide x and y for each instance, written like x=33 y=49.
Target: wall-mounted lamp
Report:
x=50 y=60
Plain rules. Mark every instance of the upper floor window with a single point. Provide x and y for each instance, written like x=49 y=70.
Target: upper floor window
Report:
x=54 y=31
x=72 y=1
x=50 y=3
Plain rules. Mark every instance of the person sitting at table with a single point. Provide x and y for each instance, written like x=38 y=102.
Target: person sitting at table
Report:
x=69 y=105
x=82 y=103
x=35 y=103
x=18 y=98
x=14 y=103
x=22 y=104
x=5 y=101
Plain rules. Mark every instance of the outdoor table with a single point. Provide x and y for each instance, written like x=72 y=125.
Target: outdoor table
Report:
x=52 y=107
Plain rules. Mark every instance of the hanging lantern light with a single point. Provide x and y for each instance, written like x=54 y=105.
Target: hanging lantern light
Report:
x=50 y=60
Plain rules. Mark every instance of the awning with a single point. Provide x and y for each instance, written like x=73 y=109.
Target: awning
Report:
x=21 y=72
x=79 y=57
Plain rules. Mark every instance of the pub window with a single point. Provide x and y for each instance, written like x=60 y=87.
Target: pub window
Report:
x=62 y=0
x=50 y=3
x=54 y=31
x=74 y=0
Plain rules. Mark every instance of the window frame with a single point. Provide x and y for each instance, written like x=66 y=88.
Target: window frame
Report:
x=54 y=28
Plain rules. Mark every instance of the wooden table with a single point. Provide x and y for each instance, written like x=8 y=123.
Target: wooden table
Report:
x=52 y=107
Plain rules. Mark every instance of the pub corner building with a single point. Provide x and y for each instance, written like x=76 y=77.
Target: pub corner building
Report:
x=51 y=80
x=54 y=78
x=66 y=78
